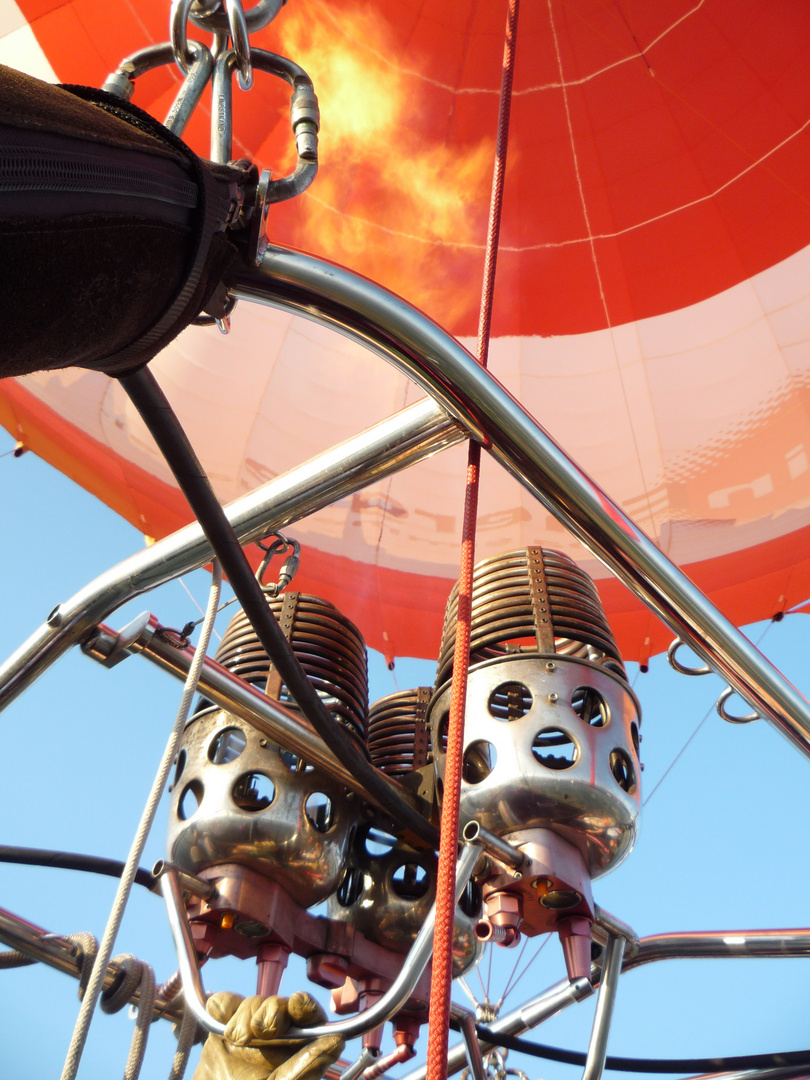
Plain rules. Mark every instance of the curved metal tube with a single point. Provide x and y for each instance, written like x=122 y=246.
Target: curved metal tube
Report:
x=393 y=444
x=390 y=1003
x=335 y=297
x=715 y=944
x=61 y=953
x=597 y=1048
x=719 y=944
x=466 y=1022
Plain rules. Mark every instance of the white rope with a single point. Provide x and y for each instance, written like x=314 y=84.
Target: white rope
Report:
x=185 y=1041
x=96 y=982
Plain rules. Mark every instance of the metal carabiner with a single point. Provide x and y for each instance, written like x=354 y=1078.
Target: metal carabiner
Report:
x=122 y=81
x=304 y=115
x=289 y=567
x=211 y=17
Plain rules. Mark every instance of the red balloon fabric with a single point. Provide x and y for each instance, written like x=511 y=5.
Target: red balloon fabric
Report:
x=652 y=306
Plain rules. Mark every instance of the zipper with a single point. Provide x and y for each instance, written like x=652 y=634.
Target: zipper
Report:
x=25 y=169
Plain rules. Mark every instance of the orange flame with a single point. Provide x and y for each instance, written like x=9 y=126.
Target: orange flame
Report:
x=392 y=200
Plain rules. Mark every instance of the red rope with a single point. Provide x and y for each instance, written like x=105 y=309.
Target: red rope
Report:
x=442 y=976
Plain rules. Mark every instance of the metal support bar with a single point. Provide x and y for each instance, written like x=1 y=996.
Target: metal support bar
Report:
x=498 y=848
x=381 y=450
x=530 y=1015
x=608 y=925
x=720 y=944
x=714 y=944
x=597 y=1048
x=62 y=954
x=333 y=296
x=390 y=1003
x=268 y=716
x=366 y=1058
x=466 y=1022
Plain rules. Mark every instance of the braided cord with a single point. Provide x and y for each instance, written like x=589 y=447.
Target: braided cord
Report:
x=442 y=975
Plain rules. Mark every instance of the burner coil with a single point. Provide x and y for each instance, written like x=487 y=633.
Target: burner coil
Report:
x=329 y=648
x=398 y=731
x=533 y=600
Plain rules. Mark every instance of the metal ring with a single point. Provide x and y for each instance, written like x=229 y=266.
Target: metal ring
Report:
x=676 y=665
x=178 y=21
x=237 y=27
x=259 y=16
x=721 y=709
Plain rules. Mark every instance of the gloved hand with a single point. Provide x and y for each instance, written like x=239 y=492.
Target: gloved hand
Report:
x=265 y=1021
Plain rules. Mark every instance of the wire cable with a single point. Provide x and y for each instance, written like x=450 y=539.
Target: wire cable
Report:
x=96 y=981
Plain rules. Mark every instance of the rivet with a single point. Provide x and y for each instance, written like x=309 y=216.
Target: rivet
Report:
x=552 y=697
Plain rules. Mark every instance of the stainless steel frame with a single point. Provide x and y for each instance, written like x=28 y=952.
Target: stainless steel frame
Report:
x=716 y=945
x=467 y=402
x=392 y=1000
x=401 y=440
x=335 y=297
x=61 y=953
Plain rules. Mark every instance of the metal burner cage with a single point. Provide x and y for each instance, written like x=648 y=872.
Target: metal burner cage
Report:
x=551 y=735
x=240 y=798
x=399 y=733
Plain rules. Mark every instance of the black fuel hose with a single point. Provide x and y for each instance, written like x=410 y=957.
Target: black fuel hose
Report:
x=69 y=860
x=156 y=412
x=791 y=1059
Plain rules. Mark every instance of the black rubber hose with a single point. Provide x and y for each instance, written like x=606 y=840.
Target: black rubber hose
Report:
x=69 y=860
x=165 y=428
x=789 y=1059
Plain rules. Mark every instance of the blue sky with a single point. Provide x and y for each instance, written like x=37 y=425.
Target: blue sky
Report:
x=722 y=842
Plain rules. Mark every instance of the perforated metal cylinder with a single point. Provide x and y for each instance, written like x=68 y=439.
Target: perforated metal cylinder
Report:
x=551 y=736
x=238 y=798
x=388 y=889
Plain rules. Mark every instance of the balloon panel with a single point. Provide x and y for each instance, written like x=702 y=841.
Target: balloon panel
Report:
x=652 y=304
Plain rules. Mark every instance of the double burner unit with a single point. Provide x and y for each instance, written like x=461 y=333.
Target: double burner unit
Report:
x=550 y=765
